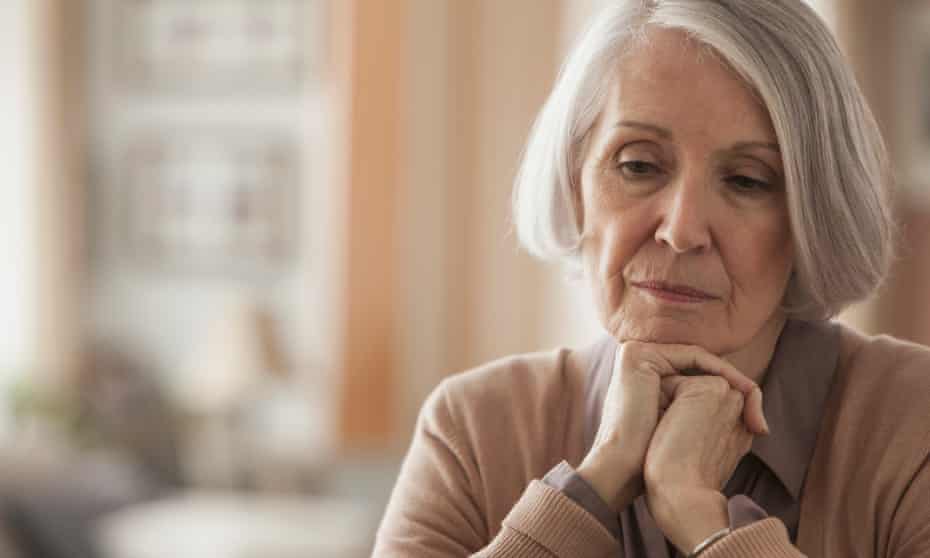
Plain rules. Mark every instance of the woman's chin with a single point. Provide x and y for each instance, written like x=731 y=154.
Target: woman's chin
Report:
x=661 y=330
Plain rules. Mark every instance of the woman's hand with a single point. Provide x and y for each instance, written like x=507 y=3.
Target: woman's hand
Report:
x=633 y=405
x=694 y=451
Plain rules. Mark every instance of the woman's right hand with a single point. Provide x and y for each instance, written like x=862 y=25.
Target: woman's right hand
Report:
x=634 y=404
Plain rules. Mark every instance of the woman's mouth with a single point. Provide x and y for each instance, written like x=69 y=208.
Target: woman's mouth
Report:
x=671 y=292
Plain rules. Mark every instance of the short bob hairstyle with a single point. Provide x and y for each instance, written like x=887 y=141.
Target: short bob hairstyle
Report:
x=836 y=169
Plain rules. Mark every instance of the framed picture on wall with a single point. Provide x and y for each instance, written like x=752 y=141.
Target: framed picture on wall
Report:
x=221 y=200
x=217 y=46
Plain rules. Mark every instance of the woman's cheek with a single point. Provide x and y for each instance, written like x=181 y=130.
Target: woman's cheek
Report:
x=616 y=249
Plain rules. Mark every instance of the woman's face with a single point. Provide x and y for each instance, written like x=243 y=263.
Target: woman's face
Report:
x=686 y=231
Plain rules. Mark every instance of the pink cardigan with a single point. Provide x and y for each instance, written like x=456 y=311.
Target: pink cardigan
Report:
x=470 y=483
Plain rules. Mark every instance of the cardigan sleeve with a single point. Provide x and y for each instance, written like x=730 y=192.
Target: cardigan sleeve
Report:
x=565 y=478
x=908 y=535
x=767 y=538
x=436 y=509
x=755 y=534
x=910 y=528
x=743 y=511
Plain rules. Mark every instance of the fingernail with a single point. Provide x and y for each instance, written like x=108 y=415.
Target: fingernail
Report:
x=765 y=422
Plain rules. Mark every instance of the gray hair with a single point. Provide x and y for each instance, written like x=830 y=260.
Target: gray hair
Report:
x=837 y=173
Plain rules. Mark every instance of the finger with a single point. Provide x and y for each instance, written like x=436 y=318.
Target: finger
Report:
x=754 y=405
x=694 y=360
x=674 y=386
x=666 y=360
x=664 y=400
x=753 y=414
x=735 y=402
x=687 y=357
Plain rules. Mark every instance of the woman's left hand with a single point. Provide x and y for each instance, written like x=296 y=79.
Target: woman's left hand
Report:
x=694 y=451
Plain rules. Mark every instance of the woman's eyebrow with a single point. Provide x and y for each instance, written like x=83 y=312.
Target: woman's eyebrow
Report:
x=665 y=133
x=743 y=145
x=658 y=130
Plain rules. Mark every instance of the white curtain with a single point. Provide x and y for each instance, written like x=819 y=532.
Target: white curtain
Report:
x=18 y=196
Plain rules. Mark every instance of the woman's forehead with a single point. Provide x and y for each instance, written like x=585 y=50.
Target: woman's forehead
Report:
x=670 y=80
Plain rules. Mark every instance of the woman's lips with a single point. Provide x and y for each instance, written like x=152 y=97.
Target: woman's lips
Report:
x=674 y=293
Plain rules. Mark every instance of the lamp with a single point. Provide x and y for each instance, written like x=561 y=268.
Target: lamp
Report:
x=237 y=358
x=239 y=352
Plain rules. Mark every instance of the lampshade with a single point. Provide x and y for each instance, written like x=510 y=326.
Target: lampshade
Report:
x=238 y=351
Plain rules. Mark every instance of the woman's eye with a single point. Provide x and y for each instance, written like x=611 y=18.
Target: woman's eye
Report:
x=638 y=169
x=747 y=184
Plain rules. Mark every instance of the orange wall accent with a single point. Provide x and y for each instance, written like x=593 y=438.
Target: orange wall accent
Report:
x=61 y=192
x=374 y=76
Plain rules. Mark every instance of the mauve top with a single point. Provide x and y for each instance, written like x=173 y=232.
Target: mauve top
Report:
x=768 y=480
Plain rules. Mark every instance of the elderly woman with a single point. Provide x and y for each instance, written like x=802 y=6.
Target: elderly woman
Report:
x=713 y=169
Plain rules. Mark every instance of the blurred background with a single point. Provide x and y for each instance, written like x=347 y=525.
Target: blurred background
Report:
x=241 y=241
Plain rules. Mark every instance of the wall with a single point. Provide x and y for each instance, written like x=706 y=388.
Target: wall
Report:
x=478 y=72
x=871 y=34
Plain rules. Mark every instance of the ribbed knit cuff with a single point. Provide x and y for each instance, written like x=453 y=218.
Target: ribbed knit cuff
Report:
x=565 y=478
x=767 y=538
x=553 y=521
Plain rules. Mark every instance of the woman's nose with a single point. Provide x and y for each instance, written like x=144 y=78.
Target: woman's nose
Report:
x=684 y=225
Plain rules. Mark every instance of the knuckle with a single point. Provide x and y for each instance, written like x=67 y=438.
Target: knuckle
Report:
x=638 y=361
x=706 y=385
x=715 y=385
x=630 y=351
x=735 y=399
x=649 y=366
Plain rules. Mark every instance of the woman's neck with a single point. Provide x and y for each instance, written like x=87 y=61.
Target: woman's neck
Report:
x=753 y=359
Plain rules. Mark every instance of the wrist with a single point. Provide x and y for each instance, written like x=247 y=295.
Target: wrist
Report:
x=688 y=518
x=616 y=484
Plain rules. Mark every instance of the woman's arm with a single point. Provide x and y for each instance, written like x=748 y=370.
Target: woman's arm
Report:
x=436 y=510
